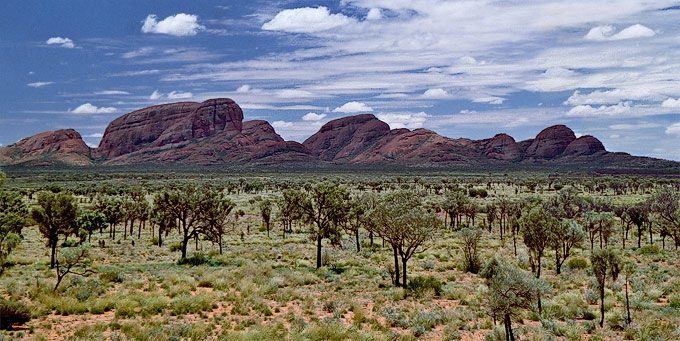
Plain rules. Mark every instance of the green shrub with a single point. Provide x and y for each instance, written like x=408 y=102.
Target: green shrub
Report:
x=674 y=301
x=176 y=247
x=197 y=259
x=421 y=284
x=111 y=277
x=649 y=249
x=577 y=263
x=125 y=308
x=190 y=304
x=12 y=313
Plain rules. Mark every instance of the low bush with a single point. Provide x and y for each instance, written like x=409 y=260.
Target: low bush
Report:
x=111 y=277
x=577 y=263
x=190 y=304
x=421 y=284
x=197 y=259
x=13 y=313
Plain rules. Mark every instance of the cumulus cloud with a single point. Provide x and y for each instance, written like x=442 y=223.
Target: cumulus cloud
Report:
x=306 y=20
x=62 y=42
x=606 y=32
x=180 y=25
x=403 y=120
x=311 y=116
x=282 y=124
x=435 y=93
x=39 y=84
x=179 y=95
x=603 y=110
x=671 y=103
x=374 y=14
x=353 y=107
x=88 y=108
x=673 y=129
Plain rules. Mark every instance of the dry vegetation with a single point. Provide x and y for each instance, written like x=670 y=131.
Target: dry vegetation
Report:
x=268 y=288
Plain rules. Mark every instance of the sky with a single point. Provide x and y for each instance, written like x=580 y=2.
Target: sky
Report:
x=470 y=69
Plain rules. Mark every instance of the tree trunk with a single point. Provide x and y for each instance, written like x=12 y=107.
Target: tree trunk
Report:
x=396 y=268
x=403 y=271
x=185 y=241
x=318 y=252
x=558 y=265
x=639 y=236
x=54 y=251
x=356 y=236
x=602 y=305
x=508 y=327
x=627 y=303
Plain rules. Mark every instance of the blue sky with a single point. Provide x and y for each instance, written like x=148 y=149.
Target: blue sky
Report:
x=462 y=68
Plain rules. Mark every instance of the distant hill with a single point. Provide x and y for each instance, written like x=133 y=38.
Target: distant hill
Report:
x=214 y=133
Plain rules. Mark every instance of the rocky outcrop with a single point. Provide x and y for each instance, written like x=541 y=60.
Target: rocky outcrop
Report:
x=213 y=132
x=584 y=145
x=346 y=137
x=64 y=146
x=139 y=129
x=550 y=142
x=502 y=147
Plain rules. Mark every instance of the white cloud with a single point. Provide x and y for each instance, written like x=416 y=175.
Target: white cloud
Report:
x=435 y=93
x=243 y=88
x=180 y=25
x=673 y=129
x=88 y=108
x=606 y=32
x=155 y=95
x=639 y=125
x=374 y=14
x=294 y=93
x=313 y=117
x=39 y=84
x=392 y=95
x=91 y=145
x=282 y=124
x=142 y=51
x=603 y=110
x=614 y=136
x=671 y=103
x=95 y=135
x=62 y=42
x=353 y=107
x=306 y=20
x=111 y=92
x=489 y=99
x=612 y=96
x=180 y=95
x=403 y=120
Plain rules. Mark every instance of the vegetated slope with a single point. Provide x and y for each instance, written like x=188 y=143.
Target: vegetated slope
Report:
x=214 y=133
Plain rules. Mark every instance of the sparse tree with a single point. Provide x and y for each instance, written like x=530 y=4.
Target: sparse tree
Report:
x=13 y=214
x=72 y=260
x=266 y=213
x=184 y=206
x=565 y=235
x=605 y=263
x=56 y=216
x=471 y=239
x=511 y=290
x=90 y=222
x=214 y=215
x=537 y=226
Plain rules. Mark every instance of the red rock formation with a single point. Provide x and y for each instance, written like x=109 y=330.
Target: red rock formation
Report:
x=502 y=147
x=346 y=137
x=584 y=145
x=550 y=142
x=139 y=129
x=60 y=146
x=260 y=131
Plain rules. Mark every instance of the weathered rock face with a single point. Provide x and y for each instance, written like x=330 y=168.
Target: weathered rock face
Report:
x=259 y=131
x=346 y=137
x=139 y=129
x=550 y=142
x=502 y=147
x=584 y=145
x=60 y=146
x=215 y=116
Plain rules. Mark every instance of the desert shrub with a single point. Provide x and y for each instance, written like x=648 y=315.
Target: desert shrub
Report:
x=111 y=277
x=64 y=305
x=329 y=329
x=394 y=317
x=125 y=308
x=270 y=332
x=649 y=249
x=154 y=304
x=12 y=312
x=424 y=321
x=190 y=304
x=100 y=306
x=198 y=258
x=577 y=263
x=421 y=284
x=84 y=290
x=176 y=247
x=674 y=301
